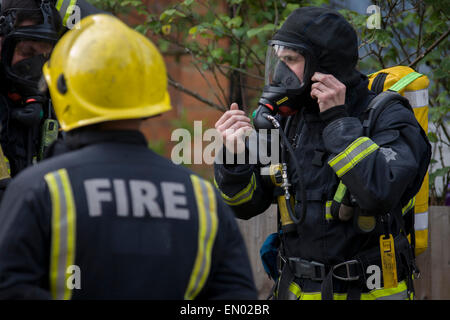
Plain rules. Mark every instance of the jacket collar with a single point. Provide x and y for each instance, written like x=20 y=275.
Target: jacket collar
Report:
x=77 y=140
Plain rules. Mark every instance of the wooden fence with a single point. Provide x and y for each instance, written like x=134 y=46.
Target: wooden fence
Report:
x=434 y=263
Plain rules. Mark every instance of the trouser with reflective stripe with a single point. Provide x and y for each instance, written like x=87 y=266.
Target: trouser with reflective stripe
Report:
x=398 y=293
x=302 y=279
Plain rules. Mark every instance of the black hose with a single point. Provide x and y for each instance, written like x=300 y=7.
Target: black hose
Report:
x=298 y=170
x=299 y=181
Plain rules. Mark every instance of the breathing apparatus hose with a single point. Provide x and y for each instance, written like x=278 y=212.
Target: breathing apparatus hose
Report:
x=298 y=170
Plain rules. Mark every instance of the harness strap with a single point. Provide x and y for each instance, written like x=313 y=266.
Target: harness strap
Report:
x=352 y=271
x=285 y=281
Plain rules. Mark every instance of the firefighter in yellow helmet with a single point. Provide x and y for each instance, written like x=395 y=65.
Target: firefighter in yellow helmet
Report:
x=110 y=219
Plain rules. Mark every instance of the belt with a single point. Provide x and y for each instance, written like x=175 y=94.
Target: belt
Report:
x=351 y=270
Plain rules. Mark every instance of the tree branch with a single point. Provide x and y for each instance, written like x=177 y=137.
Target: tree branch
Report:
x=180 y=87
x=430 y=48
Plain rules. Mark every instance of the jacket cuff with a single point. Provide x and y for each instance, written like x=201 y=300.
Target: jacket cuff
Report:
x=334 y=113
x=232 y=172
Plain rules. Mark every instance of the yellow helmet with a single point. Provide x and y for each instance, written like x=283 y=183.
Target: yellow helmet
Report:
x=102 y=70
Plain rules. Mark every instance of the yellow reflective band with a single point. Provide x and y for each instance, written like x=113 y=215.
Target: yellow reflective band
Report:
x=71 y=225
x=63 y=233
x=242 y=196
x=399 y=293
x=349 y=149
x=352 y=155
x=340 y=192
x=294 y=288
x=59 y=4
x=408 y=206
x=207 y=230
x=5 y=167
x=405 y=81
x=328 y=215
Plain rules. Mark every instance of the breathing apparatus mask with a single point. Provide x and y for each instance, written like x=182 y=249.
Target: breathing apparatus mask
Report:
x=289 y=69
x=284 y=92
x=29 y=35
x=25 y=49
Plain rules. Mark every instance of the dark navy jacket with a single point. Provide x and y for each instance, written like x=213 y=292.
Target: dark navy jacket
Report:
x=380 y=184
x=113 y=220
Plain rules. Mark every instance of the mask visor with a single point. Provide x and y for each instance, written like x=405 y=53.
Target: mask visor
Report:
x=283 y=67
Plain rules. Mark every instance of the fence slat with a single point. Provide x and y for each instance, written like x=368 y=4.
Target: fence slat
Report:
x=255 y=231
x=434 y=263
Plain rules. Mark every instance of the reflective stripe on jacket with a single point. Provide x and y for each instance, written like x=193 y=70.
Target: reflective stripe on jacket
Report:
x=129 y=223
x=378 y=171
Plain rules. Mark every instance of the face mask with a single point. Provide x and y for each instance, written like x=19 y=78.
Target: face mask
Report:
x=23 y=77
x=284 y=93
x=30 y=69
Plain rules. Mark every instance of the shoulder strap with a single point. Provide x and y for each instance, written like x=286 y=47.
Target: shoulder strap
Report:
x=377 y=105
x=405 y=81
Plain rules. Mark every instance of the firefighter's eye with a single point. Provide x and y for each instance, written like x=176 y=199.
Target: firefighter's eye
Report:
x=289 y=59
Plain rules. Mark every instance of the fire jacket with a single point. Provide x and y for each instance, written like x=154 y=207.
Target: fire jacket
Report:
x=113 y=220
x=381 y=172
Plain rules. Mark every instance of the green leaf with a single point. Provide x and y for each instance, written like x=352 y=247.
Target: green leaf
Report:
x=439 y=173
x=134 y=3
x=290 y=7
x=163 y=45
x=193 y=30
x=239 y=32
x=235 y=22
x=432 y=137
x=254 y=31
x=217 y=53
x=167 y=13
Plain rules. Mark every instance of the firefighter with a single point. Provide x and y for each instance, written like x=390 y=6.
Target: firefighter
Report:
x=29 y=30
x=342 y=194
x=110 y=219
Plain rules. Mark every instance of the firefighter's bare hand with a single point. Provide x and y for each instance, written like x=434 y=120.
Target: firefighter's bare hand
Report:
x=327 y=90
x=234 y=126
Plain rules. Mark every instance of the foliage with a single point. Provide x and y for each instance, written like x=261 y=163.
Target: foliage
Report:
x=229 y=38
x=408 y=30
